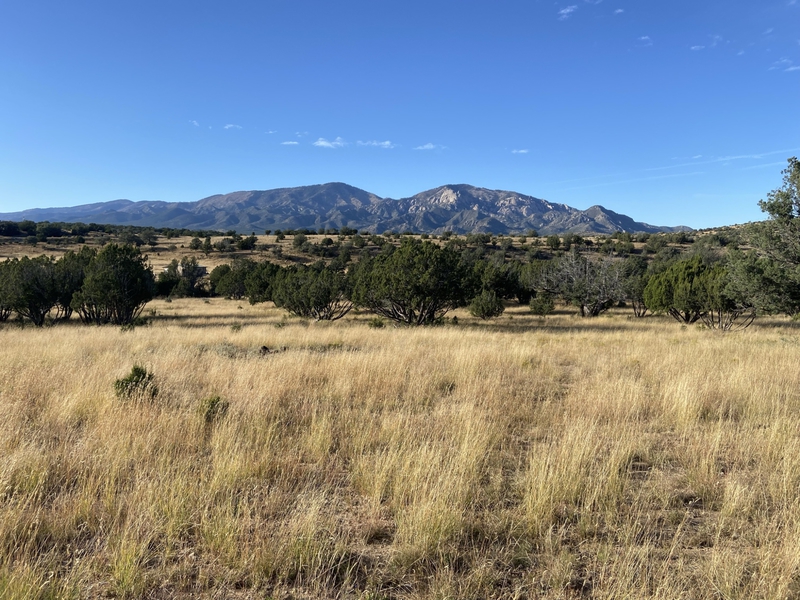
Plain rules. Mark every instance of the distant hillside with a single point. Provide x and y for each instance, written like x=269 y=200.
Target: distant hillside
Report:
x=457 y=208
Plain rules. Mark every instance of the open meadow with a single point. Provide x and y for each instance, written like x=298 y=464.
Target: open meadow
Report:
x=519 y=458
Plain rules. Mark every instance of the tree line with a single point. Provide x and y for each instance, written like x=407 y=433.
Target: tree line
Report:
x=719 y=281
x=32 y=232
x=111 y=285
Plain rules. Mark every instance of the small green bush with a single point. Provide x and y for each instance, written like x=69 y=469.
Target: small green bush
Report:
x=375 y=323
x=487 y=305
x=213 y=409
x=138 y=385
x=542 y=304
x=137 y=322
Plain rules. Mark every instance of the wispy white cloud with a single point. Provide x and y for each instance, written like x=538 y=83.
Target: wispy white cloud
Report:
x=645 y=40
x=290 y=143
x=429 y=146
x=376 y=144
x=232 y=126
x=619 y=11
x=337 y=143
x=195 y=123
x=522 y=151
x=696 y=156
x=768 y=31
x=784 y=64
x=793 y=68
x=716 y=40
x=301 y=133
x=565 y=13
x=270 y=131
x=593 y=1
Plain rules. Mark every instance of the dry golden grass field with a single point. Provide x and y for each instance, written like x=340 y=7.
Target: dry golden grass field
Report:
x=519 y=458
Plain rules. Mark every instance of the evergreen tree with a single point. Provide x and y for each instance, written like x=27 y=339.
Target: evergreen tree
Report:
x=118 y=284
x=486 y=305
x=258 y=282
x=772 y=273
x=416 y=284
x=70 y=272
x=32 y=287
x=675 y=291
x=5 y=290
x=316 y=292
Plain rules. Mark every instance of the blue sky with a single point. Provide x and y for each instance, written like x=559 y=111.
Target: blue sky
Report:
x=673 y=112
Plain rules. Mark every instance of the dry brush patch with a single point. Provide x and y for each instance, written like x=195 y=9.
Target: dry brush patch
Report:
x=608 y=458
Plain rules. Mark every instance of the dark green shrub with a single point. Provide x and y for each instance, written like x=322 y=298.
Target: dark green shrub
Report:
x=5 y=290
x=415 y=284
x=375 y=323
x=118 y=282
x=213 y=409
x=542 y=304
x=181 y=279
x=137 y=322
x=31 y=287
x=676 y=291
x=313 y=292
x=138 y=385
x=258 y=281
x=70 y=273
x=486 y=305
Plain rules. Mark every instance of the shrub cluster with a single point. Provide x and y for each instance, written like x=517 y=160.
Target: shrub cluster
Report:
x=44 y=230
x=109 y=286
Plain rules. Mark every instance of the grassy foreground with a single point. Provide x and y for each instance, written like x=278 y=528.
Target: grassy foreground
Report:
x=523 y=458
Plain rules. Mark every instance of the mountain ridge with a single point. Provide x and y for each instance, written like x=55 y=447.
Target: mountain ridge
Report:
x=461 y=208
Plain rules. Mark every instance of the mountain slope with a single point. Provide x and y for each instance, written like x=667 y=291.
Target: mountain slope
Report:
x=458 y=208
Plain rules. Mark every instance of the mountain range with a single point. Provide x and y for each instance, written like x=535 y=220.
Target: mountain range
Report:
x=458 y=208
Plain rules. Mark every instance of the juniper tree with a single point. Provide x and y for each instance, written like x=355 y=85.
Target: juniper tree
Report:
x=674 y=291
x=415 y=284
x=316 y=292
x=772 y=274
x=118 y=284
x=32 y=289
x=70 y=272
x=5 y=290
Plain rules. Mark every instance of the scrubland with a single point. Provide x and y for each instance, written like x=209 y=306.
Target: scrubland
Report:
x=518 y=458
